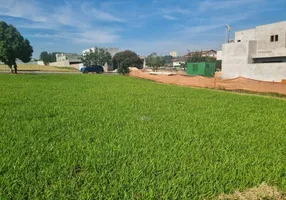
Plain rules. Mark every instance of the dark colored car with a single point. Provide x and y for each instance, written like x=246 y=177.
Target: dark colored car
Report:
x=97 y=69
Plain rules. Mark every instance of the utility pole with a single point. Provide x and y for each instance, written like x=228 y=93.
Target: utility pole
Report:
x=228 y=29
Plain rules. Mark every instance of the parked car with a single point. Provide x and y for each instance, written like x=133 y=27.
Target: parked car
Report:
x=97 y=69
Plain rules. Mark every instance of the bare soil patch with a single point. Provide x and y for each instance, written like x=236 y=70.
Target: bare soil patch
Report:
x=263 y=192
x=239 y=83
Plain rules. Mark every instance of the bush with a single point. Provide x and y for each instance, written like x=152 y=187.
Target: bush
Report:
x=123 y=68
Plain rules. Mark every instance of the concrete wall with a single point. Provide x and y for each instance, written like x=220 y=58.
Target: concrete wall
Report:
x=40 y=63
x=245 y=35
x=262 y=71
x=262 y=34
x=72 y=57
x=219 y=55
x=237 y=61
x=266 y=48
x=238 y=58
x=65 y=63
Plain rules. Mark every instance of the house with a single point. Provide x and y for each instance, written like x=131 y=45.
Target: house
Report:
x=67 y=59
x=178 y=61
x=73 y=58
x=258 y=53
x=205 y=53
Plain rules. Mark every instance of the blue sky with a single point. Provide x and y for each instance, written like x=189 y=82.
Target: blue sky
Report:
x=143 y=26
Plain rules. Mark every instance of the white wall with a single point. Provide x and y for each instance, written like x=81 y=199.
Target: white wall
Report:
x=238 y=62
x=237 y=58
x=65 y=63
x=219 y=55
x=245 y=35
x=40 y=63
x=262 y=34
x=262 y=71
x=177 y=63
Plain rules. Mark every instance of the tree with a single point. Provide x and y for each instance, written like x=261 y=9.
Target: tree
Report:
x=13 y=46
x=154 y=61
x=53 y=57
x=197 y=57
x=45 y=57
x=168 y=59
x=97 y=57
x=129 y=57
x=183 y=66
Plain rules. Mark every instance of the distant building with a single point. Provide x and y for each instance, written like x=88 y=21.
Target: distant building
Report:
x=174 y=54
x=178 y=61
x=67 y=60
x=258 y=53
x=72 y=58
x=205 y=53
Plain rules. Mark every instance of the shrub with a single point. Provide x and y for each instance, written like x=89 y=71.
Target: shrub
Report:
x=124 y=68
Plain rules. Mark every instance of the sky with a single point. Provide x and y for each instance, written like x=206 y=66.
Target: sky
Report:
x=143 y=26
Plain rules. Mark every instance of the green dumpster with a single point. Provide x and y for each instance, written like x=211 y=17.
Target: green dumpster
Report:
x=201 y=69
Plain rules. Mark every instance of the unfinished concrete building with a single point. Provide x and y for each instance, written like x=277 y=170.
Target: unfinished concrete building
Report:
x=258 y=53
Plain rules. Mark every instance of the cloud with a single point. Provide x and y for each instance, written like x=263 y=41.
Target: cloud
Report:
x=166 y=13
x=96 y=37
x=177 y=10
x=75 y=22
x=22 y=9
x=216 y=22
x=82 y=37
x=170 y=17
x=37 y=25
x=98 y=14
x=225 y=4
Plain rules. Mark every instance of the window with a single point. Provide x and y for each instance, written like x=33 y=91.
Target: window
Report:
x=274 y=38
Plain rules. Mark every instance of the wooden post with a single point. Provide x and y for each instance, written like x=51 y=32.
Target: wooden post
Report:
x=214 y=82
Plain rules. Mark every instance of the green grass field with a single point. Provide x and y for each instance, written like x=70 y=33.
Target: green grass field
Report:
x=116 y=137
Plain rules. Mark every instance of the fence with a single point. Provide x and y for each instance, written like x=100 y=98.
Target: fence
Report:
x=239 y=83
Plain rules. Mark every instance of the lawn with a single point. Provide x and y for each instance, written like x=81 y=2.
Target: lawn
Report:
x=39 y=68
x=115 y=137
